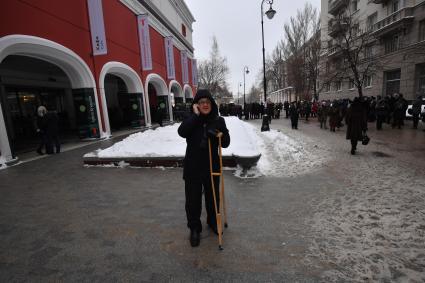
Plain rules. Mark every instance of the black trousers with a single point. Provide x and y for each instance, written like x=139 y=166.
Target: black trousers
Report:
x=193 y=206
x=52 y=140
x=43 y=142
x=415 y=120
x=353 y=144
x=294 y=122
x=379 y=120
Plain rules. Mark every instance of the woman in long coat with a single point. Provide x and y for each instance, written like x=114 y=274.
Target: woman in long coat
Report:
x=356 y=121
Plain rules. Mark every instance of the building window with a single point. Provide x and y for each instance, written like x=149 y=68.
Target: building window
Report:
x=327 y=87
x=184 y=30
x=393 y=7
x=351 y=84
x=338 y=86
x=353 y=6
x=420 y=78
x=392 y=82
x=367 y=81
x=371 y=21
x=368 y=52
x=392 y=43
x=422 y=30
x=355 y=30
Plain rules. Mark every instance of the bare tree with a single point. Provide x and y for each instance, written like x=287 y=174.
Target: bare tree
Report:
x=303 y=50
x=254 y=94
x=275 y=68
x=312 y=58
x=213 y=72
x=350 y=50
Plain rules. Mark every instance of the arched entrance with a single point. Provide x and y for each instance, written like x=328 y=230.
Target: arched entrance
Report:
x=37 y=71
x=178 y=100
x=159 y=99
x=188 y=94
x=121 y=90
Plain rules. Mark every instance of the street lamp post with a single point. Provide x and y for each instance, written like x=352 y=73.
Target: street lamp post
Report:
x=239 y=85
x=245 y=71
x=270 y=14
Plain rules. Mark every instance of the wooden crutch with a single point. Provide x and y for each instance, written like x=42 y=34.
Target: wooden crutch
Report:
x=218 y=214
x=222 y=180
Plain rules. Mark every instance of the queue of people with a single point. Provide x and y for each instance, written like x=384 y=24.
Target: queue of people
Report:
x=252 y=111
x=357 y=113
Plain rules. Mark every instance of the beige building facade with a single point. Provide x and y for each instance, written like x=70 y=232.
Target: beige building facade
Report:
x=397 y=29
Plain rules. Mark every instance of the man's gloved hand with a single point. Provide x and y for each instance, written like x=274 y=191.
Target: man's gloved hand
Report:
x=214 y=133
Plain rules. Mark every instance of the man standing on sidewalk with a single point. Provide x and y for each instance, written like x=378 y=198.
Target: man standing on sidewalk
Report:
x=202 y=125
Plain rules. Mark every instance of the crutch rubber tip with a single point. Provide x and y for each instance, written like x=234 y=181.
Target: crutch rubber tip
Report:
x=225 y=225
x=220 y=248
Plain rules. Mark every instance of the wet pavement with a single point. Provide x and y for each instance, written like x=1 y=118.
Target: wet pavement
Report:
x=352 y=219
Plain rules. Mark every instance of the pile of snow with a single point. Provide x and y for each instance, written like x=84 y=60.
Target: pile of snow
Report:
x=281 y=155
x=165 y=142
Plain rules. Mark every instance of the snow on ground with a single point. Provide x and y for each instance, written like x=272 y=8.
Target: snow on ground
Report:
x=372 y=228
x=281 y=155
x=285 y=156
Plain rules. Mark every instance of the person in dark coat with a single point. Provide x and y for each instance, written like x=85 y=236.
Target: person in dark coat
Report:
x=286 y=108
x=294 y=114
x=160 y=115
x=52 y=132
x=333 y=116
x=356 y=120
x=322 y=114
x=42 y=128
x=202 y=125
x=400 y=107
x=381 y=112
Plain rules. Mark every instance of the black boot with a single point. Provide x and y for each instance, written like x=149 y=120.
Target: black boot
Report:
x=195 y=238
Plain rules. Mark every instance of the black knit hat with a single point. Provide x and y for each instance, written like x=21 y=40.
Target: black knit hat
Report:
x=205 y=93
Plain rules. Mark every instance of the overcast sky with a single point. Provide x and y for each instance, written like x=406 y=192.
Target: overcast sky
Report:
x=237 y=26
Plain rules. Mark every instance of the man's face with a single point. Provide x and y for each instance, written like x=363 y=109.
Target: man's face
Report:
x=204 y=106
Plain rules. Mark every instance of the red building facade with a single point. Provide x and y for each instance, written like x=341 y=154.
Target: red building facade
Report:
x=47 y=45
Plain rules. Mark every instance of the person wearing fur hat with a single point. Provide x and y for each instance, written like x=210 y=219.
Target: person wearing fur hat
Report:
x=202 y=124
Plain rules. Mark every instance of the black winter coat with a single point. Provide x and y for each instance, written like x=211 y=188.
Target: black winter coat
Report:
x=52 y=123
x=197 y=130
x=356 y=121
